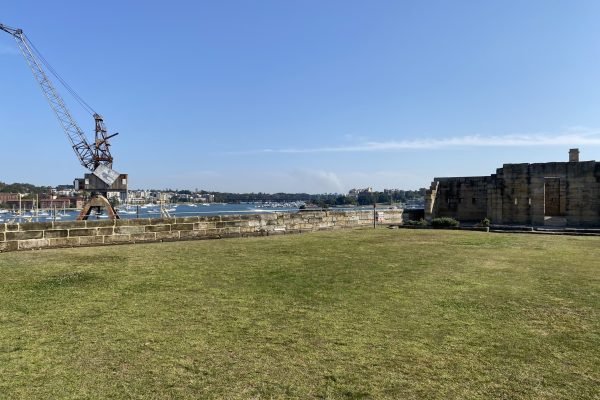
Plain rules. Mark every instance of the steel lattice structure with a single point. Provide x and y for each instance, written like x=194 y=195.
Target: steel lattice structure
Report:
x=91 y=157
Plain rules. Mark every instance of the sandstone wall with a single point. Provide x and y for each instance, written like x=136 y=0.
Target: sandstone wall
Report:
x=463 y=198
x=522 y=194
x=102 y=232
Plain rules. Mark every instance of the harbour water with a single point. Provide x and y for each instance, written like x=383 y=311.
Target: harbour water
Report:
x=151 y=211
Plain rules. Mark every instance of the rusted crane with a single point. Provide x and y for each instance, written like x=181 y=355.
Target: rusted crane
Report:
x=95 y=157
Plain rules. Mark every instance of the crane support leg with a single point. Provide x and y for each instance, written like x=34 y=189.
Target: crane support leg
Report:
x=97 y=203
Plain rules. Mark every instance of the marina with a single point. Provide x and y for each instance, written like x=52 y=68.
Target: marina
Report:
x=151 y=211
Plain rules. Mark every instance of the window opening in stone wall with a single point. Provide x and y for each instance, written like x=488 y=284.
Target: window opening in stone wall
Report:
x=516 y=202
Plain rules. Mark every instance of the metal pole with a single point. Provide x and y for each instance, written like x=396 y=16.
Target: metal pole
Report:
x=374 y=216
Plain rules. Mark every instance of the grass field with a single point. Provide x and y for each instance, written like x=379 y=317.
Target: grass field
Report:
x=399 y=314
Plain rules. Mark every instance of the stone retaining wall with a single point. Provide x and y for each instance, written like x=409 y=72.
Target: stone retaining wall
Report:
x=37 y=235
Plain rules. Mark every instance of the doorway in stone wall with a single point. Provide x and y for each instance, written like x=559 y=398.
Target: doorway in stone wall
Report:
x=552 y=214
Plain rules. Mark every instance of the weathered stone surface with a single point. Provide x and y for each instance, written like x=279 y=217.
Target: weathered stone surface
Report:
x=9 y=246
x=64 y=242
x=162 y=221
x=192 y=234
x=91 y=240
x=157 y=228
x=180 y=220
x=97 y=223
x=230 y=235
x=117 y=239
x=167 y=235
x=11 y=227
x=82 y=232
x=56 y=233
x=529 y=194
x=132 y=222
x=33 y=243
x=69 y=224
x=143 y=237
x=129 y=230
x=182 y=227
x=213 y=218
x=205 y=225
x=20 y=235
x=35 y=226
x=105 y=231
x=98 y=232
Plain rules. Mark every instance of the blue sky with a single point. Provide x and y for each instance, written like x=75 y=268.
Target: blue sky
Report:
x=305 y=96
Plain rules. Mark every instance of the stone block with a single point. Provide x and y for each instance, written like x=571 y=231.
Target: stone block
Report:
x=180 y=220
x=69 y=224
x=20 y=235
x=2 y=237
x=204 y=225
x=33 y=244
x=56 y=233
x=105 y=231
x=2 y=227
x=192 y=234
x=129 y=230
x=157 y=228
x=91 y=240
x=213 y=218
x=11 y=227
x=214 y=232
x=35 y=226
x=82 y=232
x=167 y=235
x=162 y=221
x=182 y=227
x=99 y=223
x=252 y=234
x=64 y=242
x=231 y=229
x=230 y=235
x=9 y=246
x=132 y=222
x=143 y=237
x=228 y=224
x=117 y=239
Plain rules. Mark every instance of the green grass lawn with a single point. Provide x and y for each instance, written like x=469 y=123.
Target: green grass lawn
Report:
x=409 y=314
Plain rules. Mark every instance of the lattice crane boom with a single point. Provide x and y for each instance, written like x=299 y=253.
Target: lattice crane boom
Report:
x=90 y=156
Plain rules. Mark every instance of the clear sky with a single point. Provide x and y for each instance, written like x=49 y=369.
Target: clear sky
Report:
x=304 y=96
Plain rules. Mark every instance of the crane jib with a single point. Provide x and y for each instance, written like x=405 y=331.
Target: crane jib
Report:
x=90 y=156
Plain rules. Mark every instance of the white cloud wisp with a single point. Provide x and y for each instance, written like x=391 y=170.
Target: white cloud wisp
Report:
x=570 y=138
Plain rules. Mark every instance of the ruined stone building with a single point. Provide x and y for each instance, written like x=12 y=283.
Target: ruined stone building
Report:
x=553 y=193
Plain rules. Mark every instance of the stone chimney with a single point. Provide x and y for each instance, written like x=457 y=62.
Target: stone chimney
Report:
x=574 y=155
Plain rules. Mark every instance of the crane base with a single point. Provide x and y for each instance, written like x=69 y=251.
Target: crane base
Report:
x=97 y=203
